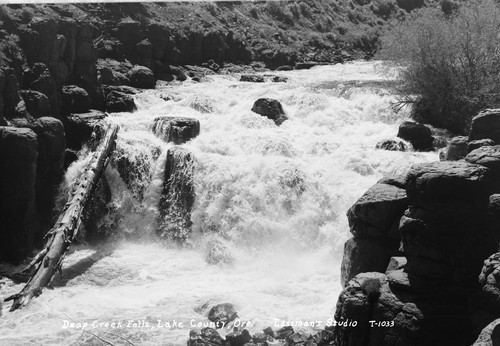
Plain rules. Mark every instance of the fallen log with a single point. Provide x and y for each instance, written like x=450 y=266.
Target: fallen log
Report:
x=60 y=237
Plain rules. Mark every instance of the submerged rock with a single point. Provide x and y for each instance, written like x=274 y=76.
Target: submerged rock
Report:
x=271 y=109
x=252 y=78
x=392 y=145
x=218 y=253
x=177 y=197
x=176 y=129
x=420 y=136
x=222 y=314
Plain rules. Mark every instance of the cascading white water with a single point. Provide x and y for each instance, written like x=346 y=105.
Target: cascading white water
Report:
x=274 y=198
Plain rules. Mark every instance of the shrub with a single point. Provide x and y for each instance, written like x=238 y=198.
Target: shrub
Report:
x=449 y=65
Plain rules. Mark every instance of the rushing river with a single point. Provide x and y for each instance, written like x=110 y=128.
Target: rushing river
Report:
x=276 y=197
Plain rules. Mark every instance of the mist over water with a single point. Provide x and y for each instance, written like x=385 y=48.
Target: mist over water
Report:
x=275 y=197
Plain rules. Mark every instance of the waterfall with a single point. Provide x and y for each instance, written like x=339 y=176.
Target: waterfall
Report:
x=261 y=207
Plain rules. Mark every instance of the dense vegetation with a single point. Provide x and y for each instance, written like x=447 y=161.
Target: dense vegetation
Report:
x=449 y=60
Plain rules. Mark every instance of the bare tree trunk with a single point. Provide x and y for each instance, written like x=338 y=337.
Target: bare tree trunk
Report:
x=60 y=237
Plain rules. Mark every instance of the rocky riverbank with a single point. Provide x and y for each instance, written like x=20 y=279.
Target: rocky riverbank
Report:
x=424 y=251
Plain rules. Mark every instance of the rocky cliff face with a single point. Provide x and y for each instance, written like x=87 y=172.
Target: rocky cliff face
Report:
x=449 y=237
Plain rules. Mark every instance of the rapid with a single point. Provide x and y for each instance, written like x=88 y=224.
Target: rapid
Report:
x=274 y=197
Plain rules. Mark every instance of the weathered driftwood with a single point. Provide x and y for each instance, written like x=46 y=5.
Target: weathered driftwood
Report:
x=60 y=237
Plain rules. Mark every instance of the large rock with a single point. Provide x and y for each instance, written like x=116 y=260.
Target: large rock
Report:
x=478 y=143
x=79 y=127
x=487 y=156
x=490 y=335
x=366 y=255
x=457 y=149
x=176 y=129
x=377 y=212
x=205 y=337
x=18 y=157
x=489 y=279
x=141 y=77
x=271 y=109
x=437 y=184
x=400 y=318
x=37 y=104
x=486 y=125
x=418 y=135
x=222 y=314
x=75 y=100
x=446 y=231
x=39 y=78
x=117 y=101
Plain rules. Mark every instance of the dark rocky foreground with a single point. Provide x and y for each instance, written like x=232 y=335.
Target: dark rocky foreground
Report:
x=424 y=255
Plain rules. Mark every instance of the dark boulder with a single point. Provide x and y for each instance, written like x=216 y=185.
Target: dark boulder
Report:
x=75 y=100
x=392 y=145
x=37 y=104
x=366 y=255
x=489 y=279
x=79 y=127
x=478 y=143
x=239 y=338
x=141 y=77
x=106 y=76
x=377 y=212
x=418 y=135
x=400 y=317
x=117 y=101
x=271 y=109
x=486 y=156
x=18 y=157
x=222 y=314
x=205 y=337
x=284 y=332
x=486 y=125
x=176 y=129
x=252 y=78
x=39 y=78
x=457 y=149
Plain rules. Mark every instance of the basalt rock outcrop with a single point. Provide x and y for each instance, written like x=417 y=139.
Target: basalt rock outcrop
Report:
x=79 y=127
x=18 y=158
x=373 y=221
x=430 y=295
